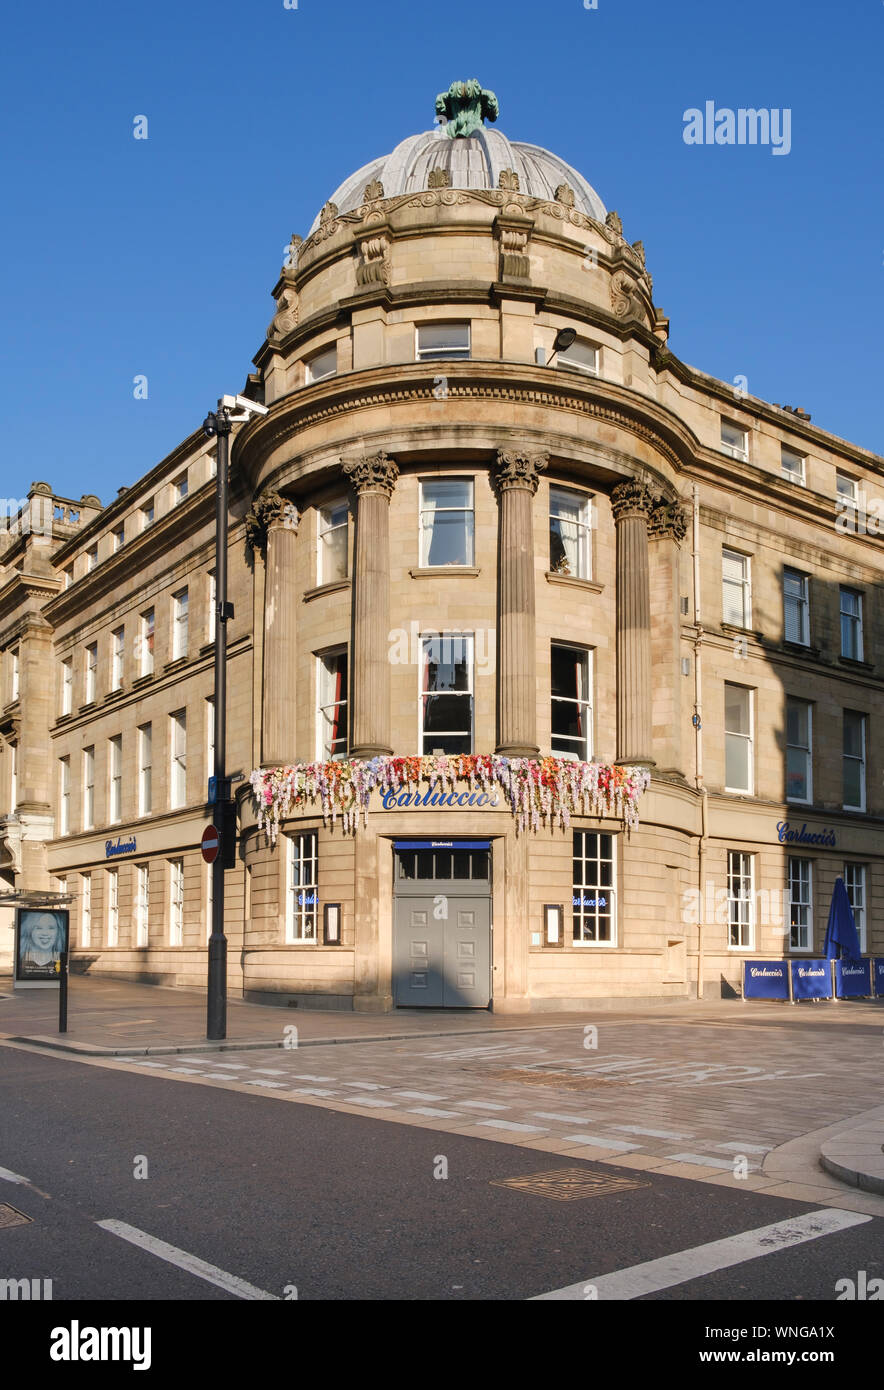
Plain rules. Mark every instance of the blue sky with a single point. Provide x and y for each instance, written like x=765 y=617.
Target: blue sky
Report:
x=123 y=257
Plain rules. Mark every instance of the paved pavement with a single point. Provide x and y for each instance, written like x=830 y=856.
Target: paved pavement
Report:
x=728 y=1093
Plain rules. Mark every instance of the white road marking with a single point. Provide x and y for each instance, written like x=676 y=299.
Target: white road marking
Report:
x=370 y=1100
x=746 y=1148
x=366 y=1085
x=435 y=1114
x=521 y=1129
x=308 y=1076
x=7 y=1176
x=552 y=1115
x=481 y=1105
x=233 y=1066
x=275 y=1085
x=705 y=1159
x=312 y=1091
x=268 y=1071
x=654 y=1133
x=191 y=1263
x=418 y=1095
x=685 y=1265
x=599 y=1143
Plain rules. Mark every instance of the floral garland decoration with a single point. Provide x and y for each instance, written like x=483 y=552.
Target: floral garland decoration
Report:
x=537 y=790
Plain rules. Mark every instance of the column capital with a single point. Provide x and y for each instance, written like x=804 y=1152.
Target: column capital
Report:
x=631 y=498
x=269 y=511
x=372 y=473
x=668 y=520
x=514 y=469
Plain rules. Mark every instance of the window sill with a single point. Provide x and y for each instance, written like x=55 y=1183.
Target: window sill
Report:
x=802 y=649
x=112 y=695
x=334 y=587
x=207 y=647
x=553 y=577
x=85 y=709
x=733 y=629
x=434 y=571
x=852 y=664
x=142 y=680
x=176 y=664
x=65 y=718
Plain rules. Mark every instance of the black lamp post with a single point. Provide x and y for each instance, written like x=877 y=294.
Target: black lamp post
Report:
x=564 y=339
x=218 y=424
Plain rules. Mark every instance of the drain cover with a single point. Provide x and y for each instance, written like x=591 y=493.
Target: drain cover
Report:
x=10 y=1217
x=570 y=1184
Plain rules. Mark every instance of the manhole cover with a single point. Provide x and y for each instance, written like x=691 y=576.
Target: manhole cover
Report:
x=10 y=1217
x=570 y=1184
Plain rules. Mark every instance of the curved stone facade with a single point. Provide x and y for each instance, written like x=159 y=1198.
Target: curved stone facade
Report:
x=451 y=540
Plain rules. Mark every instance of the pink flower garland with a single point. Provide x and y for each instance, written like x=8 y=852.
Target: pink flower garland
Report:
x=538 y=790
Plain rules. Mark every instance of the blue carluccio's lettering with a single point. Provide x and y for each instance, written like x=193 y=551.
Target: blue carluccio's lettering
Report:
x=396 y=800
x=788 y=835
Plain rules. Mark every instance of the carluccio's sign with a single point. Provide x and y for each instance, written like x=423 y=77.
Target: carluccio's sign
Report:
x=537 y=791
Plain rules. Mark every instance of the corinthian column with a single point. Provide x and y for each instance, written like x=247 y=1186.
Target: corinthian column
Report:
x=517 y=477
x=631 y=503
x=274 y=521
x=373 y=479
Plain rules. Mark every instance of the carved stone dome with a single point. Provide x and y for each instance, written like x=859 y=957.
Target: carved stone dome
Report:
x=475 y=161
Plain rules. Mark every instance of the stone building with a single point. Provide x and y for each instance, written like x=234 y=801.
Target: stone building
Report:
x=492 y=521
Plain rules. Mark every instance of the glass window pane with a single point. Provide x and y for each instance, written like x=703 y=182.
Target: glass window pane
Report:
x=796 y=774
x=736 y=709
x=433 y=336
x=853 y=739
x=447 y=713
x=737 y=763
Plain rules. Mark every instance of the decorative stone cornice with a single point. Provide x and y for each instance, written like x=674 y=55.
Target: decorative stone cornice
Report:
x=668 y=520
x=269 y=511
x=286 y=316
x=372 y=473
x=631 y=498
x=513 y=236
x=515 y=469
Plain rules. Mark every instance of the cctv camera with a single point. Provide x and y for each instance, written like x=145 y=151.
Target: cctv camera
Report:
x=251 y=407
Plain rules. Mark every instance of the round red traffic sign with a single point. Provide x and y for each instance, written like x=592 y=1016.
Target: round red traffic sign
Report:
x=210 y=844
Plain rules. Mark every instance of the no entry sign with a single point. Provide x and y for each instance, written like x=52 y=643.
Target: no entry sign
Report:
x=210 y=844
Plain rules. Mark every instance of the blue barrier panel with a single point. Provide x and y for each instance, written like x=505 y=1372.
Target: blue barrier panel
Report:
x=878 y=975
x=811 y=979
x=853 y=979
x=765 y=979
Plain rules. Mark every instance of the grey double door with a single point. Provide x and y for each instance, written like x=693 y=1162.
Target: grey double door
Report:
x=442 y=929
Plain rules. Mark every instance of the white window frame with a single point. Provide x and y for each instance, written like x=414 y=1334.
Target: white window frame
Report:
x=425 y=537
x=145 y=769
x=453 y=354
x=864 y=719
x=118 y=538
x=148 y=622
x=743 y=584
x=89 y=787
x=846 y=488
x=91 y=673
x=469 y=694
x=142 y=904
x=177 y=759
x=566 y=359
x=14 y=676
x=312 y=370
x=736 y=451
x=854 y=874
x=298 y=930
x=180 y=488
x=584 y=942
x=118 y=657
x=148 y=514
x=802 y=604
x=113 y=907
x=64 y=796
x=85 y=910
x=325 y=527
x=803 y=903
x=67 y=686
x=585 y=705
x=583 y=525
x=176 y=902
x=855 y=619
x=322 y=709
x=748 y=738
x=808 y=751
x=747 y=928
x=794 y=475
x=92 y=558
x=115 y=779
x=180 y=623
